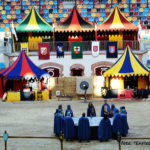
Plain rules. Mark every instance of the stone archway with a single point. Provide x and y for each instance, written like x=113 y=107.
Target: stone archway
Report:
x=100 y=67
x=79 y=68
x=54 y=69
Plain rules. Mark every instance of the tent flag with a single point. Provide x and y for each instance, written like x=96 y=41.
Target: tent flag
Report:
x=25 y=47
x=95 y=48
x=14 y=31
x=76 y=50
x=60 y=49
x=112 y=51
x=44 y=50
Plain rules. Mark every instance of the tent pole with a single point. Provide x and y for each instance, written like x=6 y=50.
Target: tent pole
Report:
x=53 y=38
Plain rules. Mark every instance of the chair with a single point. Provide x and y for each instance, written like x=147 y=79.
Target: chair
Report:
x=39 y=95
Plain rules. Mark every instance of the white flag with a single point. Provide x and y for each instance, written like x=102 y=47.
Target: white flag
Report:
x=14 y=31
x=95 y=48
x=139 y=32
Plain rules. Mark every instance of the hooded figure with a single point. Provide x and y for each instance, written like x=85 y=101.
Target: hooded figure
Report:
x=124 y=123
x=91 y=110
x=58 y=122
x=104 y=129
x=83 y=128
x=105 y=109
x=69 y=128
x=117 y=125
x=60 y=109
x=69 y=110
x=123 y=110
x=112 y=110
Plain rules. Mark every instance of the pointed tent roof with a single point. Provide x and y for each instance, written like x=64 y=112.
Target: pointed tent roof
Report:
x=75 y=23
x=128 y=64
x=116 y=21
x=33 y=22
x=22 y=67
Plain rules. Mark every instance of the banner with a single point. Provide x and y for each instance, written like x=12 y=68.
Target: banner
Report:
x=95 y=48
x=60 y=49
x=128 y=43
x=25 y=47
x=112 y=51
x=43 y=50
x=76 y=50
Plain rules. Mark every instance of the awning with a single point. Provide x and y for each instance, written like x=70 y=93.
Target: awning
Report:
x=33 y=22
x=116 y=21
x=127 y=65
x=74 y=23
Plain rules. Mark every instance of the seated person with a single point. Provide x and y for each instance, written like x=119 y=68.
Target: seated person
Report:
x=58 y=122
x=91 y=110
x=105 y=110
x=69 y=128
x=117 y=125
x=83 y=128
x=69 y=110
x=60 y=109
x=104 y=129
x=112 y=110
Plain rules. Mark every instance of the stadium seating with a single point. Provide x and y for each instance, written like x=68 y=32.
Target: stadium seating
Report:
x=91 y=10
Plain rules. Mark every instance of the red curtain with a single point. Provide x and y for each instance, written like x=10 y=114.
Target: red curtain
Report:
x=1 y=88
x=17 y=85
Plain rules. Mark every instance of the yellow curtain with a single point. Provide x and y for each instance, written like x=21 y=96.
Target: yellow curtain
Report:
x=25 y=47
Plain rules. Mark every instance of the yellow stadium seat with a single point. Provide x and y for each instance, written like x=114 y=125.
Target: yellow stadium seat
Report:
x=30 y=6
x=3 y=12
x=134 y=18
x=124 y=1
x=56 y=15
x=148 y=13
x=141 y=10
x=2 y=25
x=80 y=10
x=51 y=2
x=103 y=5
x=8 y=16
x=109 y=1
x=62 y=19
x=6 y=29
x=101 y=19
x=27 y=2
x=79 y=6
x=13 y=3
x=133 y=1
x=51 y=15
x=120 y=5
x=126 y=14
x=5 y=21
x=148 y=1
x=60 y=11
x=93 y=14
x=129 y=19
x=53 y=19
x=65 y=15
x=1 y=8
x=27 y=11
x=114 y=1
x=12 y=12
x=125 y=5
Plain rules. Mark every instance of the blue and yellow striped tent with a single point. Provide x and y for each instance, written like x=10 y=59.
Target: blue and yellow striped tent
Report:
x=127 y=65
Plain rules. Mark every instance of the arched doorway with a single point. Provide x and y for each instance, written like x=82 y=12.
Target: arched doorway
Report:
x=77 y=70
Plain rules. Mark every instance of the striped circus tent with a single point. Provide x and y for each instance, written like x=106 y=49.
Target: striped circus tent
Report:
x=116 y=21
x=74 y=23
x=33 y=22
x=127 y=65
x=23 y=67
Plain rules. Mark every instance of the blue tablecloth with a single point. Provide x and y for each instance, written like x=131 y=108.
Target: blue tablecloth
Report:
x=94 y=121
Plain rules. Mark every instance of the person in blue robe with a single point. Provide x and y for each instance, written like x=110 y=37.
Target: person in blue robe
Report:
x=112 y=110
x=91 y=110
x=83 y=128
x=105 y=109
x=58 y=123
x=124 y=122
x=69 y=110
x=69 y=128
x=105 y=129
x=122 y=108
x=117 y=124
x=60 y=109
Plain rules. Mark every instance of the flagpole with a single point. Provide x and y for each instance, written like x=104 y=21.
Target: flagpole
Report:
x=53 y=38
x=95 y=31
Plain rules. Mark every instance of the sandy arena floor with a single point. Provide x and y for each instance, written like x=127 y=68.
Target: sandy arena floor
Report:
x=36 y=119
